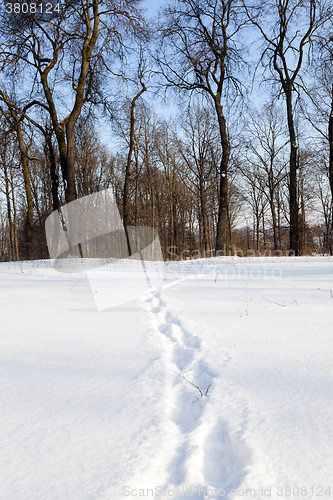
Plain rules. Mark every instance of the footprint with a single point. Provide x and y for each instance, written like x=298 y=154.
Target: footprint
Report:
x=225 y=458
x=188 y=339
x=203 y=374
x=182 y=357
x=187 y=409
x=206 y=455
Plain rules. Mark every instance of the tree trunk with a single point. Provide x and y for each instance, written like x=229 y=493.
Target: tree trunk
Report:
x=70 y=191
x=229 y=229
x=222 y=221
x=128 y=163
x=294 y=238
x=278 y=207
x=137 y=177
x=257 y=214
x=274 y=223
x=152 y=189
x=30 y=209
x=9 y=214
x=330 y=138
x=170 y=199
x=57 y=127
x=271 y=200
x=53 y=173
x=204 y=220
x=27 y=187
x=128 y=175
x=263 y=230
x=87 y=50
x=16 y=249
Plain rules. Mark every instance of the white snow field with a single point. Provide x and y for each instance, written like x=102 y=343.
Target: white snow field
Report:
x=94 y=405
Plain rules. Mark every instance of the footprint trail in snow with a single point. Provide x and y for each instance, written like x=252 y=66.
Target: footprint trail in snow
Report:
x=207 y=455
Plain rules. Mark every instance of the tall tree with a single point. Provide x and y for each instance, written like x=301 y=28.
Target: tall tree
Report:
x=142 y=88
x=201 y=51
x=287 y=28
x=66 y=58
x=14 y=124
x=264 y=153
x=198 y=169
x=320 y=94
x=6 y=163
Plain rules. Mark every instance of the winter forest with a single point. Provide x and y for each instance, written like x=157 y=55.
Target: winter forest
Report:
x=211 y=121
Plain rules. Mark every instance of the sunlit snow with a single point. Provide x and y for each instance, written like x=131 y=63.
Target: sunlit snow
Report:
x=217 y=384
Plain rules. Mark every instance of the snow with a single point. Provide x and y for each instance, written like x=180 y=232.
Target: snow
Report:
x=98 y=404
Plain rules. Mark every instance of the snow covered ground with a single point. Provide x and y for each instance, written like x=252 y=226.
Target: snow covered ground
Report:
x=99 y=405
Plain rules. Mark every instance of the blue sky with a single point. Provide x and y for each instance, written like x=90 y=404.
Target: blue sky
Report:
x=153 y=6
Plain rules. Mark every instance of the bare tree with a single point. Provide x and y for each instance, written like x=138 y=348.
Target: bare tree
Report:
x=201 y=51
x=323 y=194
x=264 y=148
x=142 y=88
x=7 y=158
x=253 y=194
x=76 y=46
x=317 y=107
x=198 y=166
x=287 y=28
x=14 y=124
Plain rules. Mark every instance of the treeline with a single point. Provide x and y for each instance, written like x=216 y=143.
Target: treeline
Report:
x=244 y=163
